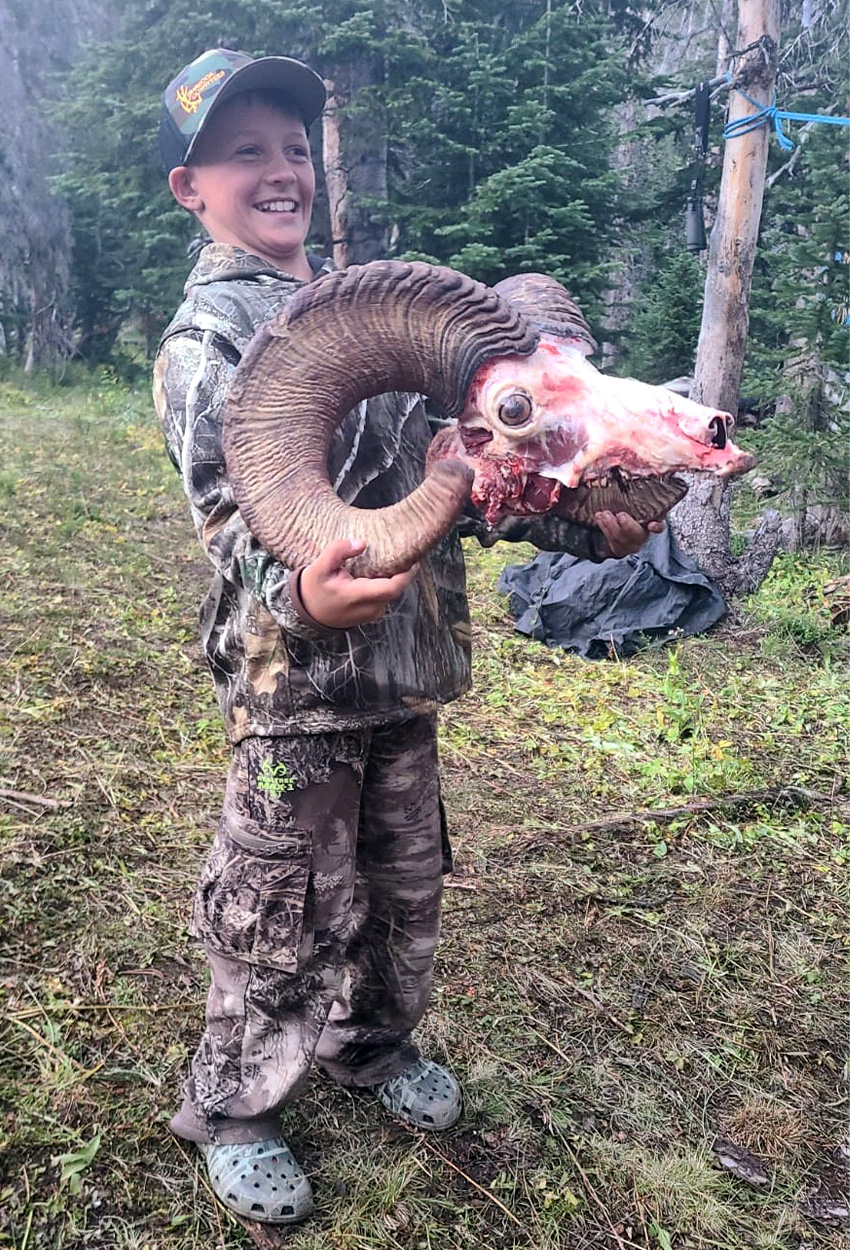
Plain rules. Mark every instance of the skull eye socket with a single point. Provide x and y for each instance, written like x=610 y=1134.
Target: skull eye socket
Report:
x=516 y=410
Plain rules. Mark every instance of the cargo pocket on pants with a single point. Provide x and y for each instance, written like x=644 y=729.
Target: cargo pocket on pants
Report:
x=253 y=901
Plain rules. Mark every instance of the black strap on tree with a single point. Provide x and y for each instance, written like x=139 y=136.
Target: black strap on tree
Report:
x=695 y=216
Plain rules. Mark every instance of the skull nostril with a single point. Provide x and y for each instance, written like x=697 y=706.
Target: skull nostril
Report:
x=719 y=433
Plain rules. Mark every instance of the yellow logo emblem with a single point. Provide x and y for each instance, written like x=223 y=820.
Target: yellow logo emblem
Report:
x=190 y=98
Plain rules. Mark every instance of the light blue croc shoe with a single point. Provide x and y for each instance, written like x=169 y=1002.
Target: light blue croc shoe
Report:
x=424 y=1095
x=260 y=1181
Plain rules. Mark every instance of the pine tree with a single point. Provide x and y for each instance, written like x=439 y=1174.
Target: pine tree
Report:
x=800 y=315
x=665 y=318
x=508 y=153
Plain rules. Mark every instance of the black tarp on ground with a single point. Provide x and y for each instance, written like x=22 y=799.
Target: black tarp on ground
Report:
x=612 y=608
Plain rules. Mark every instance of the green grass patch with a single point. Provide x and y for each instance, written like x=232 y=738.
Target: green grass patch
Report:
x=644 y=942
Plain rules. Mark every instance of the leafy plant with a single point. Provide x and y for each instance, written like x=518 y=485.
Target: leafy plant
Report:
x=75 y=1162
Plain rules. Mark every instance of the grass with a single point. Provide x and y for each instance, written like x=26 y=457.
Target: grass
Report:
x=613 y=998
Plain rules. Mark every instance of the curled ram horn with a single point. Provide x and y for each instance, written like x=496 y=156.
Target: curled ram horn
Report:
x=386 y=326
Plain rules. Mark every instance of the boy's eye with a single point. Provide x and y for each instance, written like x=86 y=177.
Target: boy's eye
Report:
x=298 y=152
x=247 y=149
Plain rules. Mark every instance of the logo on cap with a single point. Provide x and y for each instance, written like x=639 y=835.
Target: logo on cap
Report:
x=191 y=98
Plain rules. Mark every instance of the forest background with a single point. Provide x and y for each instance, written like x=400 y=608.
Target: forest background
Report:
x=488 y=138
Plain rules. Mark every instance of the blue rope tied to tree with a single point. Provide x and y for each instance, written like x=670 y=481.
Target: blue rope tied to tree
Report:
x=769 y=112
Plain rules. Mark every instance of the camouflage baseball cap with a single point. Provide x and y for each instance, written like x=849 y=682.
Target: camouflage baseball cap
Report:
x=192 y=97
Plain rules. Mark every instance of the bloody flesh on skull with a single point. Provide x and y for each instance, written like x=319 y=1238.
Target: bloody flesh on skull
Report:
x=550 y=433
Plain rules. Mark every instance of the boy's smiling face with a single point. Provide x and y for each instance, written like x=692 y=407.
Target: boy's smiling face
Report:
x=251 y=182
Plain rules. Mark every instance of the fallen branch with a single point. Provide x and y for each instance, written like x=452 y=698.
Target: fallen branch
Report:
x=598 y=1006
x=84 y=1072
x=488 y=1194
x=264 y=1236
x=28 y=1013
x=740 y=1162
x=795 y=796
x=622 y=1243
x=40 y=800
x=682 y=97
x=475 y=762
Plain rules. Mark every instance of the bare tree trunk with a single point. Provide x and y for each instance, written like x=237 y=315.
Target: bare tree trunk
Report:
x=32 y=337
x=701 y=522
x=336 y=177
x=354 y=140
x=35 y=237
x=726 y=19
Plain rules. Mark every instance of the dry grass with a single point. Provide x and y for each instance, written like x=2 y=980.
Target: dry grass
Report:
x=767 y=1126
x=613 y=1000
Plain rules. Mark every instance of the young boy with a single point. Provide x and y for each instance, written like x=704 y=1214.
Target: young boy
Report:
x=319 y=906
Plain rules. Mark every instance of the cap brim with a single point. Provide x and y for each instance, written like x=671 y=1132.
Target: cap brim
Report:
x=278 y=73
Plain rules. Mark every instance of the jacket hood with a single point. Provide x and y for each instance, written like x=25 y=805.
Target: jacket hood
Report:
x=222 y=262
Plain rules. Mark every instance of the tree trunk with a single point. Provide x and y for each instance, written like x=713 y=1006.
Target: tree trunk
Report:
x=336 y=177
x=701 y=522
x=354 y=143
x=726 y=19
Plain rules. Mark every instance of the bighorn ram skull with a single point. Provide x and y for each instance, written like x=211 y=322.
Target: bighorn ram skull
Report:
x=538 y=428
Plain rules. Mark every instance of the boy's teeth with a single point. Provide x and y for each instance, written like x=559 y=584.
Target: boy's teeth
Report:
x=278 y=206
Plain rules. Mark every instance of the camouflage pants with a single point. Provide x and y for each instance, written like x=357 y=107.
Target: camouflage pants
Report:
x=319 y=908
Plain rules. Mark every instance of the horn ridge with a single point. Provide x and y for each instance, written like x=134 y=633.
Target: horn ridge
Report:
x=547 y=305
x=425 y=290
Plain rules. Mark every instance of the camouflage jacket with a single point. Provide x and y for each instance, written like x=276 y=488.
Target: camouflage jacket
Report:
x=275 y=674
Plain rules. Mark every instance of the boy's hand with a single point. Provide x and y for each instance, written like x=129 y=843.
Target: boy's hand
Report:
x=623 y=534
x=339 y=601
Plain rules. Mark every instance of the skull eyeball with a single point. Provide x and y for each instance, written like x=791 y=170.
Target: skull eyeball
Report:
x=516 y=410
